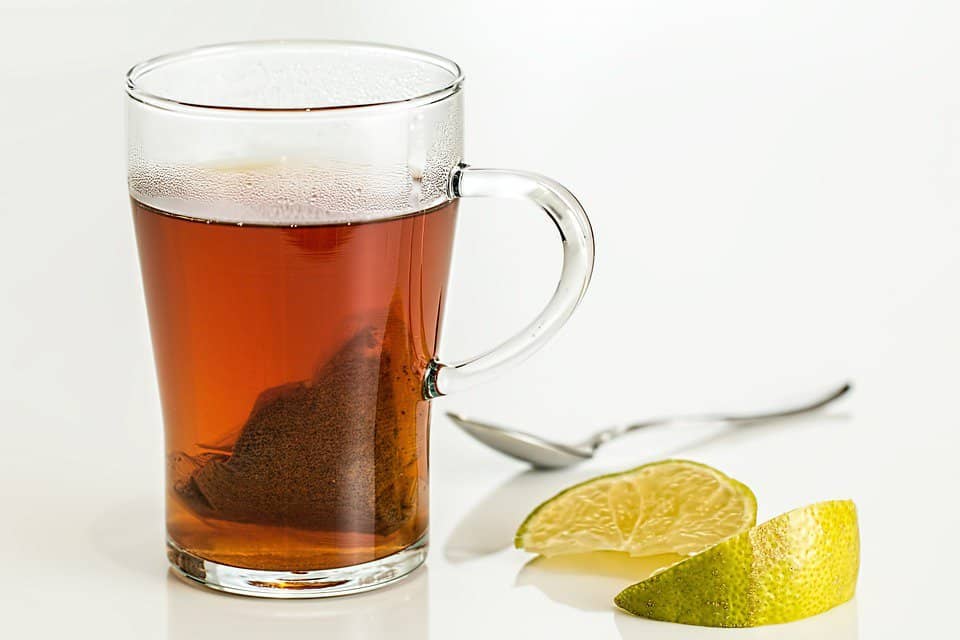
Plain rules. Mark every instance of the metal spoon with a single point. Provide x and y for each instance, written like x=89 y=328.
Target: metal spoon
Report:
x=545 y=454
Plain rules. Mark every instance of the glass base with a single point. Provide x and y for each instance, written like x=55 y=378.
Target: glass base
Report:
x=320 y=583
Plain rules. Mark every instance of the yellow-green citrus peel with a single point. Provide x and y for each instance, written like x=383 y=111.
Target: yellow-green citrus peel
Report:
x=669 y=507
x=797 y=565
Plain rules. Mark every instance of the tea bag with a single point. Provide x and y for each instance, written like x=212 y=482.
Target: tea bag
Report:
x=337 y=452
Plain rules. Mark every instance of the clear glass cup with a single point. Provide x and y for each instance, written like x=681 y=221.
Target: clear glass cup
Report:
x=295 y=205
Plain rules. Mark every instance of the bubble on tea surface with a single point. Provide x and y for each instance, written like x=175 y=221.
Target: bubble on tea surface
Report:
x=278 y=192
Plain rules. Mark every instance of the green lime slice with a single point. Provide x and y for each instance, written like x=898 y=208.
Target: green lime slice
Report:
x=674 y=506
x=794 y=566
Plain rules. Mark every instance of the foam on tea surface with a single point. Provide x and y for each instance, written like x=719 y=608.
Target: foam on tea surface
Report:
x=283 y=192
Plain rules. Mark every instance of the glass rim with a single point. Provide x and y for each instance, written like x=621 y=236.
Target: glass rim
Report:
x=141 y=69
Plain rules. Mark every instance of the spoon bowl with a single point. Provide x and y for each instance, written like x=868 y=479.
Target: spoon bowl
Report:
x=523 y=446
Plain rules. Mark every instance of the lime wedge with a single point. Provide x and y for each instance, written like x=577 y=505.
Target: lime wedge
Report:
x=797 y=565
x=674 y=506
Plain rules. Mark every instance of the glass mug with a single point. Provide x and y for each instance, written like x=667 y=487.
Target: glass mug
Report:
x=294 y=205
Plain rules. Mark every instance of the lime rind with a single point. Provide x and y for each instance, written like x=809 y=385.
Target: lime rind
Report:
x=796 y=565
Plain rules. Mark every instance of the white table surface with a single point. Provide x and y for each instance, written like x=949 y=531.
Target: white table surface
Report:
x=775 y=195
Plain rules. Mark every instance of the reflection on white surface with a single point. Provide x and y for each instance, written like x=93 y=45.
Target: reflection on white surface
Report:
x=840 y=623
x=491 y=524
x=196 y=612
x=589 y=581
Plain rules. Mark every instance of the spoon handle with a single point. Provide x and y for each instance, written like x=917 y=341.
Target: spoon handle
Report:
x=602 y=437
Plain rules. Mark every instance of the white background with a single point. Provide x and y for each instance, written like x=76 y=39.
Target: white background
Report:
x=774 y=189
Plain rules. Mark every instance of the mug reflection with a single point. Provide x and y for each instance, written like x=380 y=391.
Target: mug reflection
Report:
x=588 y=581
x=490 y=525
x=195 y=612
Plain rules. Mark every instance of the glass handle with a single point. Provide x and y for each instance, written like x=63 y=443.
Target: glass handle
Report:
x=577 y=238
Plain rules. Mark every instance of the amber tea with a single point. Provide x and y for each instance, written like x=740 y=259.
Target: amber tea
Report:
x=290 y=362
